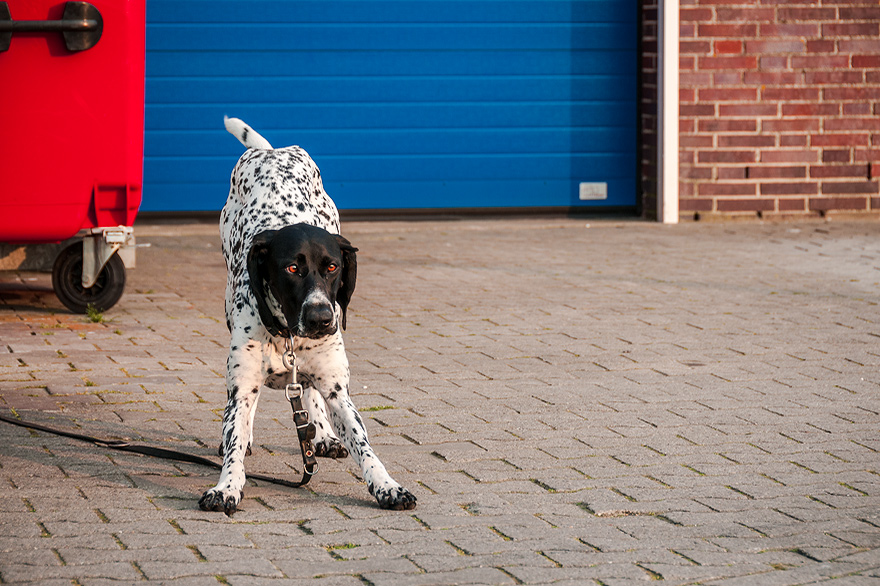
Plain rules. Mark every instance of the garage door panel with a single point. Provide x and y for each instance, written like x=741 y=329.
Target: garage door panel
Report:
x=249 y=64
x=401 y=37
x=419 y=194
x=283 y=124
x=495 y=98
x=409 y=89
x=409 y=142
x=589 y=166
x=362 y=12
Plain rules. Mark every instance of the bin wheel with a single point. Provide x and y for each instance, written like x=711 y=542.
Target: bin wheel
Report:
x=67 y=281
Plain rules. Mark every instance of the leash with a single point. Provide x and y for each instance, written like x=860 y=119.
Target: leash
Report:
x=305 y=431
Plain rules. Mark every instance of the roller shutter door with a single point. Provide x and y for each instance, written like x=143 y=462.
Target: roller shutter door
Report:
x=448 y=104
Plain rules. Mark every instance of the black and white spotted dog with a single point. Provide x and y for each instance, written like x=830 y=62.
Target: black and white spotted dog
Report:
x=289 y=273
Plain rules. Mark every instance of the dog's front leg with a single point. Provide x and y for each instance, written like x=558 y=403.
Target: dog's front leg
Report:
x=330 y=367
x=244 y=376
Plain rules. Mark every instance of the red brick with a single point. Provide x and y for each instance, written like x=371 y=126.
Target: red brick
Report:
x=728 y=94
x=695 y=47
x=728 y=47
x=829 y=77
x=690 y=204
x=875 y=203
x=789 y=30
x=786 y=156
x=694 y=78
x=819 y=61
x=716 y=125
x=738 y=31
x=745 y=14
x=692 y=14
x=724 y=77
x=768 y=47
x=790 y=125
x=796 y=204
x=852 y=93
x=846 y=29
x=872 y=77
x=859 y=13
x=686 y=63
x=871 y=155
x=773 y=77
x=875 y=171
x=789 y=14
x=827 y=171
x=850 y=187
x=832 y=140
x=859 y=46
x=833 y=124
x=686 y=189
x=866 y=61
x=687 y=30
x=789 y=188
x=687 y=95
x=792 y=140
x=691 y=172
x=741 y=63
x=749 y=110
x=713 y=189
x=762 y=172
x=726 y=156
x=746 y=205
x=791 y=93
x=687 y=126
x=810 y=109
x=746 y=140
x=857 y=109
x=774 y=62
x=688 y=111
x=731 y=173
x=836 y=155
x=821 y=46
x=838 y=203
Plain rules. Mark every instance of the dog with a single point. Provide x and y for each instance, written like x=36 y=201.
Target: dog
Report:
x=290 y=278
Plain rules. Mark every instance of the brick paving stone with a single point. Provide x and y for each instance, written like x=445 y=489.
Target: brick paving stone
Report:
x=697 y=404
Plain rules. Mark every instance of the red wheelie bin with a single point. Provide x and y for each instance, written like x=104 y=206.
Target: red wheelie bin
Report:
x=72 y=146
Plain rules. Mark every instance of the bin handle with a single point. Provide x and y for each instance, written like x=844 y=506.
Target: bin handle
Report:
x=81 y=26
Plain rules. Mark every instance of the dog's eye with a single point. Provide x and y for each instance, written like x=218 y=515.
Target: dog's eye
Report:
x=332 y=268
x=291 y=269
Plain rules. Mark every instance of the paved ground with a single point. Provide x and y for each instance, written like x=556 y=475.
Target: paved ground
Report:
x=571 y=403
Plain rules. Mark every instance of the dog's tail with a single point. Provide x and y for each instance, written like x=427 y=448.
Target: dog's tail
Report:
x=247 y=135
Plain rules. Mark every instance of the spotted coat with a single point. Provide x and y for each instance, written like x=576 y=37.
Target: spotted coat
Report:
x=270 y=189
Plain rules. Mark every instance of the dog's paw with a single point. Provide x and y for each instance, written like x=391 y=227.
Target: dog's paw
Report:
x=396 y=498
x=330 y=447
x=222 y=501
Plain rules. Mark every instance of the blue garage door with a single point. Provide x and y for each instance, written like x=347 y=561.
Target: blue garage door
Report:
x=403 y=104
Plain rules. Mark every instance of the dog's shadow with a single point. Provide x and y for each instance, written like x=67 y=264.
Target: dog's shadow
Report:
x=174 y=483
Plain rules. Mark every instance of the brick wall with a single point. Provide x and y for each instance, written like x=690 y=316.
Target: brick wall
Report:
x=780 y=107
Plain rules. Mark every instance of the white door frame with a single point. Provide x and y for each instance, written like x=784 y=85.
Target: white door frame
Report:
x=667 y=111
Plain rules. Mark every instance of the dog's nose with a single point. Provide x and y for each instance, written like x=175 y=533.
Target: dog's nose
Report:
x=318 y=318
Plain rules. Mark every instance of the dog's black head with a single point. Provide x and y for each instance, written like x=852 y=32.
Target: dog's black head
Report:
x=298 y=274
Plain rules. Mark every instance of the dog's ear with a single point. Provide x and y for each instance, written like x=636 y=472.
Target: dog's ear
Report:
x=258 y=274
x=349 y=275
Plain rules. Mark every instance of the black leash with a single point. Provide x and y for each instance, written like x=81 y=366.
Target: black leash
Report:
x=305 y=431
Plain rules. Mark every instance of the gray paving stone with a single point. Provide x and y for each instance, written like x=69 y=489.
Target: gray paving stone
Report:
x=693 y=403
